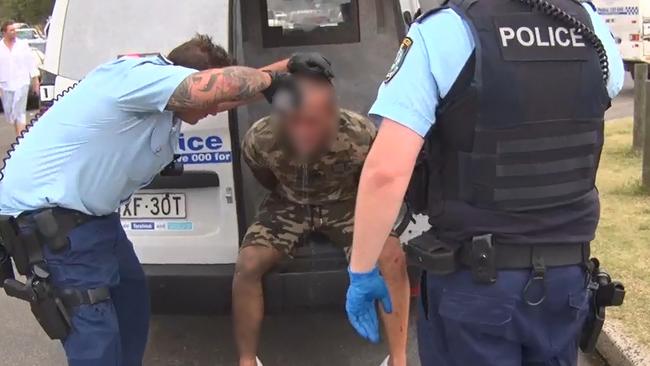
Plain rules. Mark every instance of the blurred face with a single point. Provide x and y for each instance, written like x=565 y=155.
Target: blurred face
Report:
x=193 y=117
x=10 y=33
x=312 y=128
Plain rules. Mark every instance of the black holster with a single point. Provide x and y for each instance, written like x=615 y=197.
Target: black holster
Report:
x=51 y=306
x=47 y=307
x=429 y=253
x=604 y=293
x=26 y=250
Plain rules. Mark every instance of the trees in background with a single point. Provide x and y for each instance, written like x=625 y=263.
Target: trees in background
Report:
x=28 y=11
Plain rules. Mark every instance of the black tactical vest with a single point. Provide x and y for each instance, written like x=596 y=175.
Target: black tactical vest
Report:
x=516 y=145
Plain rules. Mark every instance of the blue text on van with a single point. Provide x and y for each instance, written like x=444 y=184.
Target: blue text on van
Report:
x=200 y=150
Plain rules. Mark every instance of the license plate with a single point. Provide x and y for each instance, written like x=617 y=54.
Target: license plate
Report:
x=154 y=206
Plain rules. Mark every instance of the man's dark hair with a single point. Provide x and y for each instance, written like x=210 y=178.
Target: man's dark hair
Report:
x=6 y=24
x=200 y=53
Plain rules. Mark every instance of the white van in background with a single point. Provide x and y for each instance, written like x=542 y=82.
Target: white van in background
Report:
x=629 y=21
x=187 y=229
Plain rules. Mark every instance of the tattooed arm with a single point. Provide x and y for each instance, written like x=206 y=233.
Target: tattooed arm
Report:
x=209 y=88
x=280 y=66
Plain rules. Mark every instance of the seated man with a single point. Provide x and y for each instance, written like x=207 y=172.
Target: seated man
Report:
x=310 y=160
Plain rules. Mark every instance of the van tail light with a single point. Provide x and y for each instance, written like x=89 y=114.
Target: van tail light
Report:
x=635 y=37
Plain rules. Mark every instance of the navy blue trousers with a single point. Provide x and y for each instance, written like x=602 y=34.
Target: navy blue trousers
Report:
x=110 y=333
x=469 y=324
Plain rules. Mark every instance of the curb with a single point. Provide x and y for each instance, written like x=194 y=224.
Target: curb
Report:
x=618 y=349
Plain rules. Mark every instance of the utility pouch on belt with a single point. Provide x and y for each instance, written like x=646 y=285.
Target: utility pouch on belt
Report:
x=483 y=261
x=48 y=226
x=605 y=293
x=429 y=253
x=24 y=249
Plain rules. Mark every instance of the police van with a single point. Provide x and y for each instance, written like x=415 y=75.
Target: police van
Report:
x=187 y=229
x=629 y=21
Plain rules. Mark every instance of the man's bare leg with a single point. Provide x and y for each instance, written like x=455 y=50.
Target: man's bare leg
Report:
x=248 y=299
x=392 y=264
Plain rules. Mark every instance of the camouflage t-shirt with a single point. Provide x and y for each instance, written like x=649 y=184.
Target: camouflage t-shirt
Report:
x=331 y=178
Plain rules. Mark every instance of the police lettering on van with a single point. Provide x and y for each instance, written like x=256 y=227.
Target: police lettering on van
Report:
x=530 y=38
x=202 y=150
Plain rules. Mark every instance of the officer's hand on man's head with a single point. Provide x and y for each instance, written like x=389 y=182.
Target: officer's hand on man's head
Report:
x=310 y=63
x=364 y=291
x=283 y=92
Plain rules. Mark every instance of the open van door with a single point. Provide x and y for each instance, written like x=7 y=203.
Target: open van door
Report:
x=360 y=38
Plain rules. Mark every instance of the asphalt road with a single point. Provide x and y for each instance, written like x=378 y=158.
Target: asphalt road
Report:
x=322 y=338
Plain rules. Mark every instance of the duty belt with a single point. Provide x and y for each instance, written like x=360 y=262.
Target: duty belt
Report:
x=54 y=224
x=485 y=257
x=524 y=256
x=72 y=297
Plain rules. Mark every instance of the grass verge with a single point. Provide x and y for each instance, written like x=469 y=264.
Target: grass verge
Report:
x=623 y=238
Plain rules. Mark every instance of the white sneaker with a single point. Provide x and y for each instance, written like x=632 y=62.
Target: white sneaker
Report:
x=385 y=363
x=259 y=363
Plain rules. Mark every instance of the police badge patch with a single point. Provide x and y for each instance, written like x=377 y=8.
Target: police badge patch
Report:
x=399 y=59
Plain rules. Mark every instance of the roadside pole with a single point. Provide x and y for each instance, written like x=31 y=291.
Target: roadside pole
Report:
x=645 y=175
x=640 y=105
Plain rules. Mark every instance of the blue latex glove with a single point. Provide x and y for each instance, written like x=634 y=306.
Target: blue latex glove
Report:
x=364 y=290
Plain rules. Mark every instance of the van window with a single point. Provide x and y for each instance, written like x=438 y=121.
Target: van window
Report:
x=98 y=31
x=309 y=22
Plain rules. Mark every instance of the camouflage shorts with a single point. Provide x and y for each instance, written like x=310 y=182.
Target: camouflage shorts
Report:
x=283 y=225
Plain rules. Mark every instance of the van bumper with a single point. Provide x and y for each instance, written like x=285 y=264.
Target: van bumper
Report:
x=206 y=289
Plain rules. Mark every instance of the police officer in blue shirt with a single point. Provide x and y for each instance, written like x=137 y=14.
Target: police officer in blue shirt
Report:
x=496 y=108
x=85 y=156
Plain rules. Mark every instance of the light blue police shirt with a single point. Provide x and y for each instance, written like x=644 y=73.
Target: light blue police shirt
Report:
x=434 y=62
x=101 y=142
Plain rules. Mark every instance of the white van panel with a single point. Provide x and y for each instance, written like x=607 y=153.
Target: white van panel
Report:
x=54 y=37
x=211 y=235
x=97 y=31
x=62 y=84
x=627 y=20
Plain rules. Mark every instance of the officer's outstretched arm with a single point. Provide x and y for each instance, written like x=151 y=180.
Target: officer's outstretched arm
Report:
x=210 y=88
x=280 y=66
x=226 y=88
x=384 y=180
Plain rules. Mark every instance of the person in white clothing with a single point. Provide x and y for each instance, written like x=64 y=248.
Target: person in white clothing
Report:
x=17 y=71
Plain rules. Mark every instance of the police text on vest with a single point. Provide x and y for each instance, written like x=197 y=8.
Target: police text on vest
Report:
x=541 y=37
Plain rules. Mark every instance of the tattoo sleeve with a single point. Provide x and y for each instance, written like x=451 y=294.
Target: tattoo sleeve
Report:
x=209 y=88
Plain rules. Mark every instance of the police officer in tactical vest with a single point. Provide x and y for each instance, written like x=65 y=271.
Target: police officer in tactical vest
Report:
x=493 y=111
